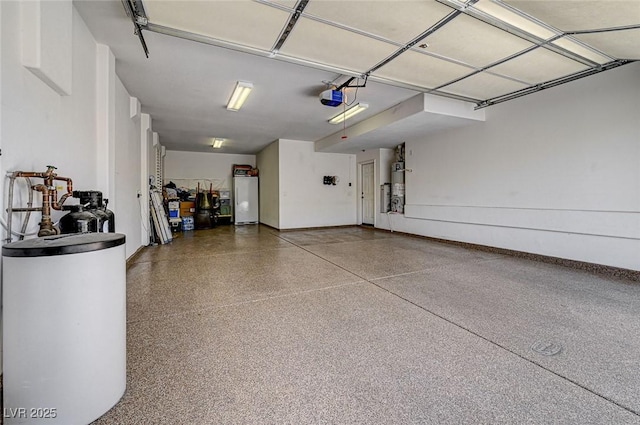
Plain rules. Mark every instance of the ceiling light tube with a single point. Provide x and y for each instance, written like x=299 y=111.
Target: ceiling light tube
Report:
x=240 y=94
x=217 y=143
x=343 y=116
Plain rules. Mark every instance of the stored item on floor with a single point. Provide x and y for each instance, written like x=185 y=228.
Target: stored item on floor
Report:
x=187 y=223
x=49 y=200
x=245 y=194
x=175 y=224
x=159 y=218
x=64 y=348
x=174 y=209
x=204 y=201
x=187 y=208
x=207 y=208
x=226 y=210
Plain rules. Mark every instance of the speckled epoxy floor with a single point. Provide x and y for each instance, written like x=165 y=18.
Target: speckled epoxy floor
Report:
x=247 y=325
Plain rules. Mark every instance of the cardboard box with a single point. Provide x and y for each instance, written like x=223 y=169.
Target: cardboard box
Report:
x=187 y=223
x=187 y=208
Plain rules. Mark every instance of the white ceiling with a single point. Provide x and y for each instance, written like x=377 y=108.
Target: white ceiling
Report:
x=185 y=85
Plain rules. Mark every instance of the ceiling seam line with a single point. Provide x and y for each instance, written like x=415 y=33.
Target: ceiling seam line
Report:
x=289 y=26
x=485 y=68
x=508 y=58
x=351 y=29
x=557 y=31
x=423 y=89
x=186 y=35
x=531 y=38
x=551 y=83
x=599 y=30
x=539 y=42
x=380 y=38
x=508 y=77
x=438 y=25
x=331 y=23
x=275 y=5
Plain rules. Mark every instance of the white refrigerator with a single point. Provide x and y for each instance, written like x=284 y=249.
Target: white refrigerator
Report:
x=245 y=192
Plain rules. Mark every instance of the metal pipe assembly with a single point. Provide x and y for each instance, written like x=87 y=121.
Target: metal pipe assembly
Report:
x=49 y=200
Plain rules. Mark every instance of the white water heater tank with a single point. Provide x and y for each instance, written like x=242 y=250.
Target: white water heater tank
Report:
x=64 y=325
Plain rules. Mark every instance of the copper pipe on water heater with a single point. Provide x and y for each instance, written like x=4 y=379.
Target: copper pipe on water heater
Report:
x=58 y=205
x=46 y=224
x=49 y=178
x=46 y=176
x=49 y=196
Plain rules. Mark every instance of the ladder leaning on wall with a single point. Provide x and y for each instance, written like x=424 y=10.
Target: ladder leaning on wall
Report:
x=159 y=217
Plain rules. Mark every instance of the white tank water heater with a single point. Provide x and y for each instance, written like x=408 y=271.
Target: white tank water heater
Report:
x=64 y=325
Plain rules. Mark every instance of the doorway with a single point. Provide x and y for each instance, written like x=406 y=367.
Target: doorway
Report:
x=367 y=194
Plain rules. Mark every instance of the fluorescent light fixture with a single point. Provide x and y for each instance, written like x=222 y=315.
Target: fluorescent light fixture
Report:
x=343 y=116
x=524 y=23
x=240 y=94
x=217 y=143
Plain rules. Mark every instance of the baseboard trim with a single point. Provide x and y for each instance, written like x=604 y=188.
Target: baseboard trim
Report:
x=134 y=256
x=601 y=269
x=297 y=229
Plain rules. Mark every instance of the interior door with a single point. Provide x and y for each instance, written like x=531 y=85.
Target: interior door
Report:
x=368 y=200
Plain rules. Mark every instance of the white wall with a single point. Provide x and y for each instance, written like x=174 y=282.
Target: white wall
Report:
x=126 y=203
x=146 y=148
x=268 y=163
x=304 y=200
x=76 y=133
x=216 y=168
x=39 y=126
x=555 y=173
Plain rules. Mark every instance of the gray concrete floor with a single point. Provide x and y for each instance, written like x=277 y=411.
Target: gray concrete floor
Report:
x=247 y=325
